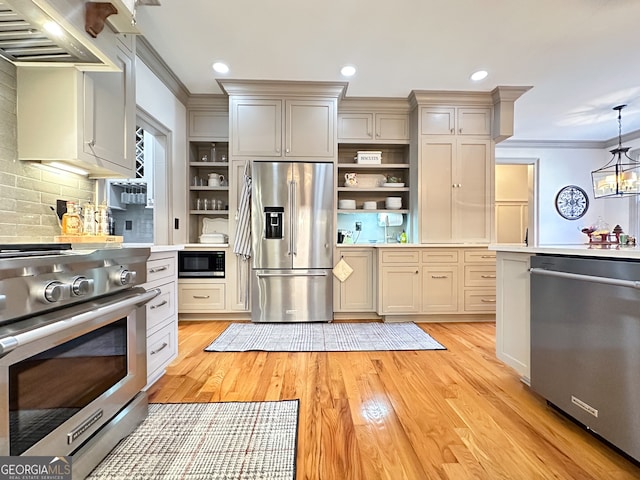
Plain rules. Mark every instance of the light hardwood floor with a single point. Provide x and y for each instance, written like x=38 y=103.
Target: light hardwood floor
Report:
x=455 y=414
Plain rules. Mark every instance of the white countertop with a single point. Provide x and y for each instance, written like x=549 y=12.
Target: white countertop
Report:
x=206 y=246
x=410 y=245
x=583 y=250
x=154 y=248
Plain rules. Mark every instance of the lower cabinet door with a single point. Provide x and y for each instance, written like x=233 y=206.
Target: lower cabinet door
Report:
x=440 y=289
x=400 y=289
x=357 y=292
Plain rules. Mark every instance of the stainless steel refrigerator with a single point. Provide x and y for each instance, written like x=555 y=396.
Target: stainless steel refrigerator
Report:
x=292 y=241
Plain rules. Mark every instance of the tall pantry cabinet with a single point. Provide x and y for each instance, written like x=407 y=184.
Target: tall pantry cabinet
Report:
x=453 y=154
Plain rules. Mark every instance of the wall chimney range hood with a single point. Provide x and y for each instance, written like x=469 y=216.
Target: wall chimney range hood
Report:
x=42 y=32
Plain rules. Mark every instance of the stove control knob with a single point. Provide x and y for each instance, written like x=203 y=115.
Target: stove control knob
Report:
x=53 y=292
x=82 y=286
x=125 y=277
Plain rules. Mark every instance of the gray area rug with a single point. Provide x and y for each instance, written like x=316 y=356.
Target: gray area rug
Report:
x=322 y=337
x=208 y=441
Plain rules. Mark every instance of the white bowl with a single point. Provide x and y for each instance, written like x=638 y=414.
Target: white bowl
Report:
x=347 y=204
x=369 y=205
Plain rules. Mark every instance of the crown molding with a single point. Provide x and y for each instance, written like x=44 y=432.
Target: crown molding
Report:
x=211 y=101
x=148 y=55
x=283 y=88
x=449 y=97
x=511 y=143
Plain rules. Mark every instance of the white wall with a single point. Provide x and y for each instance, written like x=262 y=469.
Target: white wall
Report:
x=158 y=101
x=558 y=167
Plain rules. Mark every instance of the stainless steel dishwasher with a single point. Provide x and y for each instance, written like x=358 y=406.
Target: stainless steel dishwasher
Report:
x=585 y=343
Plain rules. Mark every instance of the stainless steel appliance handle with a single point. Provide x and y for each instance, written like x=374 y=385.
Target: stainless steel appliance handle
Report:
x=293 y=274
x=294 y=219
x=587 y=278
x=290 y=201
x=10 y=343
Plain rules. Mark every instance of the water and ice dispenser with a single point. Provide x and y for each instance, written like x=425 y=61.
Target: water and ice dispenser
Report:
x=273 y=222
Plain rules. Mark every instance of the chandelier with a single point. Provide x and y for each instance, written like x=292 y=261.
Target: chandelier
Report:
x=621 y=175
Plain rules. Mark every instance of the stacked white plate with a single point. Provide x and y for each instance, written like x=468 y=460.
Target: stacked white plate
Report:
x=369 y=205
x=345 y=204
x=393 y=203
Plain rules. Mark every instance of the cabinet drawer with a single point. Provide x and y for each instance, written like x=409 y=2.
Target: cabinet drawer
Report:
x=201 y=297
x=161 y=307
x=479 y=256
x=479 y=276
x=480 y=301
x=158 y=268
x=162 y=347
x=439 y=256
x=400 y=256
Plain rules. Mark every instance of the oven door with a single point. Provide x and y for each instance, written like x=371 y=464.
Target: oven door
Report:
x=69 y=372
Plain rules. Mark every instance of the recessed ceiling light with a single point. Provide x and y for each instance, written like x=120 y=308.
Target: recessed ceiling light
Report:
x=348 y=71
x=220 y=67
x=479 y=75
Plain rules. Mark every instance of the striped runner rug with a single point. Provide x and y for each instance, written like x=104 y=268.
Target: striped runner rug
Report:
x=206 y=441
x=323 y=337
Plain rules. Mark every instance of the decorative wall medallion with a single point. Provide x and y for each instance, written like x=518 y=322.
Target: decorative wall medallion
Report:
x=572 y=202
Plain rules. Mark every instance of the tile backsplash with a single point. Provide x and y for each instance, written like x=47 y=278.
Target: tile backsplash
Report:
x=27 y=191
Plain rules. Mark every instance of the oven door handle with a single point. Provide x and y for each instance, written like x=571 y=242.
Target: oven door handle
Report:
x=8 y=344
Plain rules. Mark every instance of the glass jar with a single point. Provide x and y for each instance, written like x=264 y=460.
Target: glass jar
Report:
x=71 y=224
x=89 y=219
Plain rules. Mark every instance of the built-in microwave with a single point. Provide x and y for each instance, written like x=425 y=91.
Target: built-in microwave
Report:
x=201 y=264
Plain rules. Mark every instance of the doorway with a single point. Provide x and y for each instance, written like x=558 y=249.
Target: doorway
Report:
x=157 y=145
x=515 y=201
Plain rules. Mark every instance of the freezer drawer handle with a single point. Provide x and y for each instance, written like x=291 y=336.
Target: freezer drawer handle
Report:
x=312 y=274
x=587 y=278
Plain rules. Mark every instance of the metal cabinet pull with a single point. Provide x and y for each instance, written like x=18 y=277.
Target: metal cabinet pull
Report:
x=439 y=276
x=488 y=300
x=162 y=347
x=488 y=256
x=201 y=296
x=488 y=276
x=159 y=269
x=162 y=303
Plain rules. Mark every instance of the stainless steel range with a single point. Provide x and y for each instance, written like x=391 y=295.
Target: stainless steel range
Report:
x=72 y=350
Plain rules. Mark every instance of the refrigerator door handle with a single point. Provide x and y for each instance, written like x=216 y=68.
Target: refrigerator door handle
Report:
x=290 y=201
x=292 y=274
x=294 y=218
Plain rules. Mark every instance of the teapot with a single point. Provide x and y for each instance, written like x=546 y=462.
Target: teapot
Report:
x=216 y=180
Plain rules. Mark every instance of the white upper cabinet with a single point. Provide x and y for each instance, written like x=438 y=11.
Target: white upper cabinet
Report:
x=272 y=119
x=283 y=127
x=436 y=120
x=373 y=127
x=380 y=120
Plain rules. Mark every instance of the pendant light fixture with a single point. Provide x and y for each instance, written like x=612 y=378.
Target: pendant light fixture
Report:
x=621 y=175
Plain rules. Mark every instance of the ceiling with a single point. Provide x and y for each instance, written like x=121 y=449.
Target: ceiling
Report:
x=582 y=57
